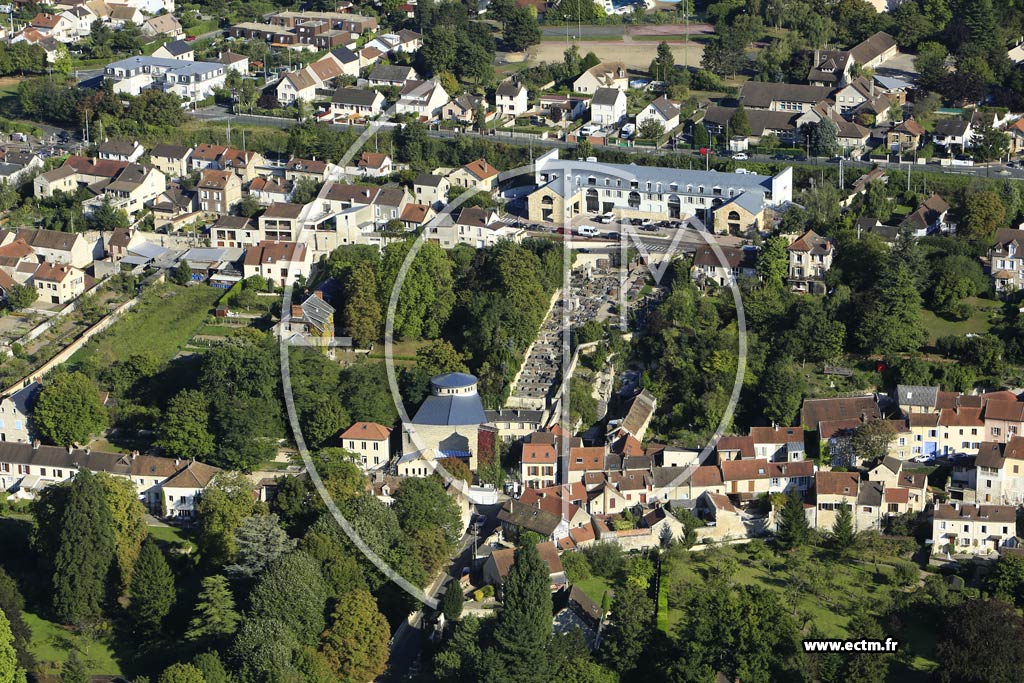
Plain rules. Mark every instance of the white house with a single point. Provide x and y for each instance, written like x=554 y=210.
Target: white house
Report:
x=511 y=99
x=662 y=110
x=424 y=98
x=356 y=103
x=608 y=107
x=369 y=442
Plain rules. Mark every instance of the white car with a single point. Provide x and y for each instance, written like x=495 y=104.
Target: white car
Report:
x=740 y=156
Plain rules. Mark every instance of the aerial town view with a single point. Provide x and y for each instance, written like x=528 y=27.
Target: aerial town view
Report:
x=512 y=341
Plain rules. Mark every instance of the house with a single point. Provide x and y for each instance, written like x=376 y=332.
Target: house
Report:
x=165 y=25
x=463 y=108
x=58 y=247
x=608 y=107
x=563 y=108
x=476 y=227
x=966 y=529
x=129 y=190
x=59 y=27
x=633 y=191
x=953 y=133
x=219 y=191
x=356 y=103
x=423 y=98
x=372 y=165
x=539 y=465
x=830 y=68
x=119 y=150
x=311 y=169
x=416 y=215
x=345 y=61
x=431 y=189
x=280 y=262
x=233 y=61
x=873 y=50
x=928 y=218
x=510 y=99
x=369 y=442
x=235 y=232
x=385 y=75
x=745 y=479
x=193 y=81
x=832 y=491
x=516 y=518
x=297 y=86
x=905 y=137
x=784 y=97
x=737 y=262
x=178 y=49
x=816 y=411
x=15 y=414
x=1006 y=260
x=281 y=222
x=1000 y=475
x=638 y=416
x=499 y=563
x=14 y=166
x=603 y=75
x=402 y=41
x=120 y=241
x=271 y=190
x=810 y=257
x=716 y=510
x=125 y=14
x=58 y=283
x=915 y=399
x=171 y=160
x=662 y=111
x=477 y=175
x=778 y=444
x=1004 y=418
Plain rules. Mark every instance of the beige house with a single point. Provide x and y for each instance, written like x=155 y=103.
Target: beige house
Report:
x=58 y=247
x=604 y=75
x=369 y=442
x=171 y=160
x=431 y=189
x=219 y=191
x=810 y=257
x=15 y=411
x=58 y=283
x=971 y=529
x=478 y=175
x=282 y=263
x=539 y=465
x=832 y=491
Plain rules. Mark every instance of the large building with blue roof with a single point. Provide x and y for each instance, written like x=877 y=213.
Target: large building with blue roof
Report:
x=447 y=424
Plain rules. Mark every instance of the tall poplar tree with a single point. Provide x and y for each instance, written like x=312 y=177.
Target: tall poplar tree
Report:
x=524 y=623
x=152 y=588
x=85 y=553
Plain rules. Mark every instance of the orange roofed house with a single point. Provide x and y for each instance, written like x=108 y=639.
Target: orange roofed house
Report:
x=478 y=175
x=370 y=442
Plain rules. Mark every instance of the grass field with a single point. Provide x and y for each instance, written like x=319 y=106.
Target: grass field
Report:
x=979 y=322
x=594 y=587
x=51 y=645
x=160 y=325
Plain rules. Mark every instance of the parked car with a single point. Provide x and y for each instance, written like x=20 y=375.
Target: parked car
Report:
x=627 y=131
x=740 y=156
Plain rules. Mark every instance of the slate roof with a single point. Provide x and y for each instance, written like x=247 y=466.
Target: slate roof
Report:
x=605 y=97
x=355 y=97
x=816 y=410
x=978 y=513
x=450 y=410
x=529 y=517
x=760 y=95
x=872 y=47
x=178 y=47
x=918 y=396
x=167 y=151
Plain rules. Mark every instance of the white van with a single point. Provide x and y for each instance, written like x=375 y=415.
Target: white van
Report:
x=587 y=231
x=588 y=130
x=627 y=131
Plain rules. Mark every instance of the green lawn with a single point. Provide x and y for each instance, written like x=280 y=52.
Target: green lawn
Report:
x=594 y=587
x=52 y=643
x=160 y=325
x=979 y=322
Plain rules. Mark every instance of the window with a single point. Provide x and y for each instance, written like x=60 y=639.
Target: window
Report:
x=611 y=504
x=775 y=481
x=995 y=431
x=42 y=471
x=984 y=529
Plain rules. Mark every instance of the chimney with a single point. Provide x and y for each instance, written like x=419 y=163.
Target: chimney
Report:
x=872 y=89
x=319 y=294
x=817 y=58
x=88 y=450
x=176 y=462
x=71 y=449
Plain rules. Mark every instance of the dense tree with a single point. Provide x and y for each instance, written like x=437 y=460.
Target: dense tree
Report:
x=355 y=645
x=21 y=297
x=212 y=668
x=781 y=391
x=524 y=622
x=215 y=615
x=1006 y=581
x=12 y=606
x=264 y=649
x=451 y=605
x=222 y=507
x=871 y=440
x=73 y=670
x=773 y=261
x=183 y=273
x=892 y=322
x=521 y=29
x=292 y=590
x=259 y=540
x=824 y=138
x=185 y=428
x=364 y=317
x=738 y=124
x=983 y=213
x=842 y=529
x=867 y=667
x=422 y=504
x=427 y=295
x=10 y=670
x=85 y=553
x=181 y=673
x=662 y=67
x=792 y=529
x=69 y=410
x=630 y=630
x=129 y=518
x=152 y=588
x=982 y=640
x=651 y=129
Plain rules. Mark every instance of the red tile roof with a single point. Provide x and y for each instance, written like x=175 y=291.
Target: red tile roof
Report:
x=367 y=430
x=543 y=453
x=837 y=483
x=586 y=458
